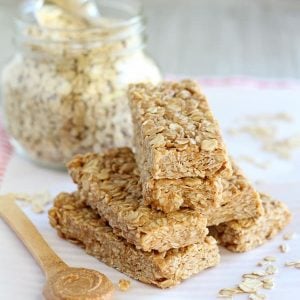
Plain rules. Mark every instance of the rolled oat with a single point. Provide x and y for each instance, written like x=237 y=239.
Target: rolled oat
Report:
x=284 y=248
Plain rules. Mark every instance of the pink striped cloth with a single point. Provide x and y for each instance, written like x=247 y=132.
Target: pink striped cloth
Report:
x=6 y=150
x=243 y=81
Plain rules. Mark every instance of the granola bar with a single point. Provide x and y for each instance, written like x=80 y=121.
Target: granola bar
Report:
x=109 y=183
x=176 y=134
x=239 y=200
x=244 y=235
x=193 y=192
x=75 y=221
x=220 y=199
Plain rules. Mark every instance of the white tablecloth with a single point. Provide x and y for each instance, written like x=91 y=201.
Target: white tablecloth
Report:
x=21 y=278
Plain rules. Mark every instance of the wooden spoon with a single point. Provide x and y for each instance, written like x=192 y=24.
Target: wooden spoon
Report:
x=63 y=282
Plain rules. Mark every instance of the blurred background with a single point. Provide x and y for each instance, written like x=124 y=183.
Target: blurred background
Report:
x=211 y=37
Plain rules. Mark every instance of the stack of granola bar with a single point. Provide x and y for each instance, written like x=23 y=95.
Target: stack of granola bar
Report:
x=147 y=213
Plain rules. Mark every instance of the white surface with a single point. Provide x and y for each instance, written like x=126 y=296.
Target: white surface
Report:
x=231 y=106
x=21 y=278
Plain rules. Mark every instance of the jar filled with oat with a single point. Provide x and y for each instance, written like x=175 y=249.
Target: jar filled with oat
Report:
x=64 y=91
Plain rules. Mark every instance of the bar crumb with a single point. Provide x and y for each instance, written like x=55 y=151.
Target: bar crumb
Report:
x=124 y=285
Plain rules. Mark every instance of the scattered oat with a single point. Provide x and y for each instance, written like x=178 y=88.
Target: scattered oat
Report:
x=292 y=264
x=255 y=280
x=255 y=274
x=270 y=258
x=256 y=131
x=289 y=236
x=284 y=248
x=250 y=285
x=281 y=116
x=257 y=297
x=229 y=292
x=37 y=201
x=259 y=273
x=267 y=280
x=267 y=133
x=283 y=147
x=124 y=285
x=268 y=283
x=250 y=276
x=271 y=270
x=253 y=161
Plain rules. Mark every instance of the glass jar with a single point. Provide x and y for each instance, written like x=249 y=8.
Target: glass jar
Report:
x=64 y=91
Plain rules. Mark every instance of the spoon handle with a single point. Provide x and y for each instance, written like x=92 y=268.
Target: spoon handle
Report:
x=28 y=234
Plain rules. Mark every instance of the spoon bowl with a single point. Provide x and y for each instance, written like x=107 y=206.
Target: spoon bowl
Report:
x=78 y=283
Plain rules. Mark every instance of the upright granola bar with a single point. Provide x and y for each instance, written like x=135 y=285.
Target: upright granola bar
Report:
x=109 y=183
x=176 y=134
x=75 y=221
x=244 y=235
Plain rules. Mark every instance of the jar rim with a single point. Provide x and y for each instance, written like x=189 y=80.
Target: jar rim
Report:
x=24 y=16
x=125 y=21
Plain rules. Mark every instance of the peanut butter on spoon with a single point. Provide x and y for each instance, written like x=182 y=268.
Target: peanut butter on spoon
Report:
x=63 y=282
